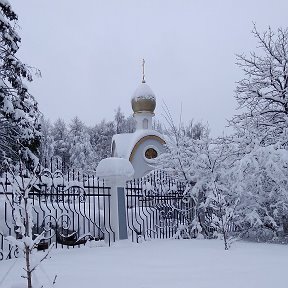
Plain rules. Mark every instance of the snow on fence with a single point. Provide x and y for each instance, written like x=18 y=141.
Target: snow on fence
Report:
x=70 y=212
x=157 y=206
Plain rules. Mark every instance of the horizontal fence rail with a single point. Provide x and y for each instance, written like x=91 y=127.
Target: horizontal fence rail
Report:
x=69 y=209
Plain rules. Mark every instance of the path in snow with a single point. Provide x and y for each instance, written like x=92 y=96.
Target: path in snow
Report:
x=165 y=264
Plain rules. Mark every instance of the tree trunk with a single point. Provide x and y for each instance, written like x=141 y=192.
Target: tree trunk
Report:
x=27 y=248
x=285 y=225
x=224 y=232
x=28 y=271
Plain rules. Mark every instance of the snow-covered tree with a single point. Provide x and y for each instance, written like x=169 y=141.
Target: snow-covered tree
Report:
x=23 y=182
x=101 y=134
x=262 y=184
x=221 y=204
x=123 y=124
x=206 y=166
x=262 y=95
x=18 y=109
x=119 y=120
x=129 y=125
x=47 y=142
x=82 y=155
x=195 y=130
x=95 y=139
x=181 y=145
x=101 y=137
x=7 y=139
x=61 y=143
x=261 y=133
x=183 y=160
x=157 y=126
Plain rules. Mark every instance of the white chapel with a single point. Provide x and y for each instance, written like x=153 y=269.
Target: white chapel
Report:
x=145 y=144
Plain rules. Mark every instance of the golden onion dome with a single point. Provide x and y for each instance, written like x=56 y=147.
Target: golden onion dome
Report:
x=143 y=99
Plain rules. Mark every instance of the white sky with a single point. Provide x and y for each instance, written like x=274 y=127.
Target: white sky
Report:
x=90 y=53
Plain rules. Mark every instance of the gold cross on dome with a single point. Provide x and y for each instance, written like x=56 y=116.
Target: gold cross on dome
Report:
x=143 y=71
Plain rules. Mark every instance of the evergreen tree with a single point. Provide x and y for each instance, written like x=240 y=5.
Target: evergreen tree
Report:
x=82 y=156
x=61 y=143
x=47 y=142
x=18 y=109
x=123 y=124
x=101 y=137
x=8 y=144
x=119 y=119
x=129 y=125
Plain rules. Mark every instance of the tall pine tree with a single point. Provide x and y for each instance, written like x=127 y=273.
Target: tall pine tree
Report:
x=82 y=156
x=19 y=112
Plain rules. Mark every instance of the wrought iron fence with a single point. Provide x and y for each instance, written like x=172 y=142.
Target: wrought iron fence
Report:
x=157 y=206
x=70 y=209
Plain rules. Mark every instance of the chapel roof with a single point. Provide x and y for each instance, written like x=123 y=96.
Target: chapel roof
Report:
x=124 y=143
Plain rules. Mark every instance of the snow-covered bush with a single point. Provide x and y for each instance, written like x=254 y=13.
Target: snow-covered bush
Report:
x=262 y=184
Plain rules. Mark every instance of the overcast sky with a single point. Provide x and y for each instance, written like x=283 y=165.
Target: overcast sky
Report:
x=90 y=54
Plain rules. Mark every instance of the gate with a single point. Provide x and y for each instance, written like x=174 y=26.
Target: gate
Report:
x=157 y=207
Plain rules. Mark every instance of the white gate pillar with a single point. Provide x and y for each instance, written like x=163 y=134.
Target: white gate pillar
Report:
x=115 y=172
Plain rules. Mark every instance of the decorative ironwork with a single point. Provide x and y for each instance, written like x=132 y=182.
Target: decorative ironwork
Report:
x=11 y=251
x=69 y=209
x=157 y=206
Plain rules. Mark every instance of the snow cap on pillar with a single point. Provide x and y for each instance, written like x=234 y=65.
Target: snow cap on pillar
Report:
x=115 y=169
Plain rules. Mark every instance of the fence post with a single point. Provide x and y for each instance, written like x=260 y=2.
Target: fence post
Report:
x=115 y=172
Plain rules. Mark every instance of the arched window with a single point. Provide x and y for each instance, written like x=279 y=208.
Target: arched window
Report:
x=145 y=123
x=113 y=149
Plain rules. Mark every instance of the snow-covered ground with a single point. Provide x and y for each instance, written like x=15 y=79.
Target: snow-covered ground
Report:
x=164 y=264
